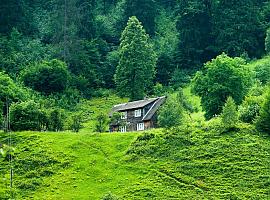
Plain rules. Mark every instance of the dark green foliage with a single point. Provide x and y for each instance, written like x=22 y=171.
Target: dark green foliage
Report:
x=229 y=115
x=101 y=122
x=135 y=72
x=87 y=23
x=56 y=119
x=179 y=78
x=27 y=116
x=165 y=69
x=195 y=28
x=238 y=28
x=144 y=10
x=47 y=77
x=263 y=121
x=17 y=13
x=221 y=78
x=18 y=51
x=267 y=41
x=165 y=44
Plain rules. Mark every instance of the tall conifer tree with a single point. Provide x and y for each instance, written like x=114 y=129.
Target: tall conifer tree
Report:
x=136 y=69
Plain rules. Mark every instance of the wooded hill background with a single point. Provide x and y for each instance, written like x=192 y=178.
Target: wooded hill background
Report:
x=86 y=35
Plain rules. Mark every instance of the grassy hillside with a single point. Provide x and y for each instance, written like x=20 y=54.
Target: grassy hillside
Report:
x=186 y=163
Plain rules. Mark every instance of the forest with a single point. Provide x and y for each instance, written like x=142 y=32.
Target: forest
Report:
x=56 y=53
x=65 y=63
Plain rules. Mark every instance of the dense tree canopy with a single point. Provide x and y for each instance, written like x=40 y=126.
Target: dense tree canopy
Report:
x=47 y=77
x=73 y=49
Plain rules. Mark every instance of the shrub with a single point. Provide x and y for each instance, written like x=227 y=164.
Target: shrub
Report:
x=47 y=77
x=159 y=90
x=263 y=121
x=250 y=108
x=76 y=122
x=229 y=116
x=56 y=119
x=27 y=116
x=101 y=123
x=170 y=114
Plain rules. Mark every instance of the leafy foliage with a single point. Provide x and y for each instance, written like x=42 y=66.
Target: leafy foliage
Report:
x=135 y=72
x=102 y=122
x=262 y=70
x=250 y=108
x=56 y=119
x=246 y=34
x=229 y=114
x=171 y=114
x=263 y=120
x=76 y=122
x=9 y=90
x=27 y=116
x=221 y=78
x=47 y=77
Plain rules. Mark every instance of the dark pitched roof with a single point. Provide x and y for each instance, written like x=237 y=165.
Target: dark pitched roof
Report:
x=132 y=105
x=154 y=108
x=140 y=104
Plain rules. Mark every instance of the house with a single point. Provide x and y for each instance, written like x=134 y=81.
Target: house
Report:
x=137 y=115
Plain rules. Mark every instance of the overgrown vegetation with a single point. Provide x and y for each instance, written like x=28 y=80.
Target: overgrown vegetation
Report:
x=64 y=64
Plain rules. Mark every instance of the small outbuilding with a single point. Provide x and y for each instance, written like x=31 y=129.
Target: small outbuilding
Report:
x=137 y=115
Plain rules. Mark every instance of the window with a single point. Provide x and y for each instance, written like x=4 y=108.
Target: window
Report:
x=140 y=127
x=123 y=129
x=138 y=113
x=123 y=115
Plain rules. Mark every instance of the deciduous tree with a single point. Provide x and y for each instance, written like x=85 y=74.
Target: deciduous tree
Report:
x=221 y=78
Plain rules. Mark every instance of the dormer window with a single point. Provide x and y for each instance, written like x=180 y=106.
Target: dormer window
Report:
x=124 y=115
x=138 y=113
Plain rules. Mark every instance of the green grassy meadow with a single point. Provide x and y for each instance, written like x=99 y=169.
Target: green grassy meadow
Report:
x=185 y=163
x=195 y=161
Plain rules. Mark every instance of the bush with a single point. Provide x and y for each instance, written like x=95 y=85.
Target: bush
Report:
x=171 y=114
x=250 y=108
x=159 y=90
x=47 y=77
x=76 y=122
x=56 y=119
x=27 y=116
x=101 y=123
x=229 y=116
x=263 y=121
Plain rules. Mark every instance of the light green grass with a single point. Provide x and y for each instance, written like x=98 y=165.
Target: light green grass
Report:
x=91 y=108
x=186 y=163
